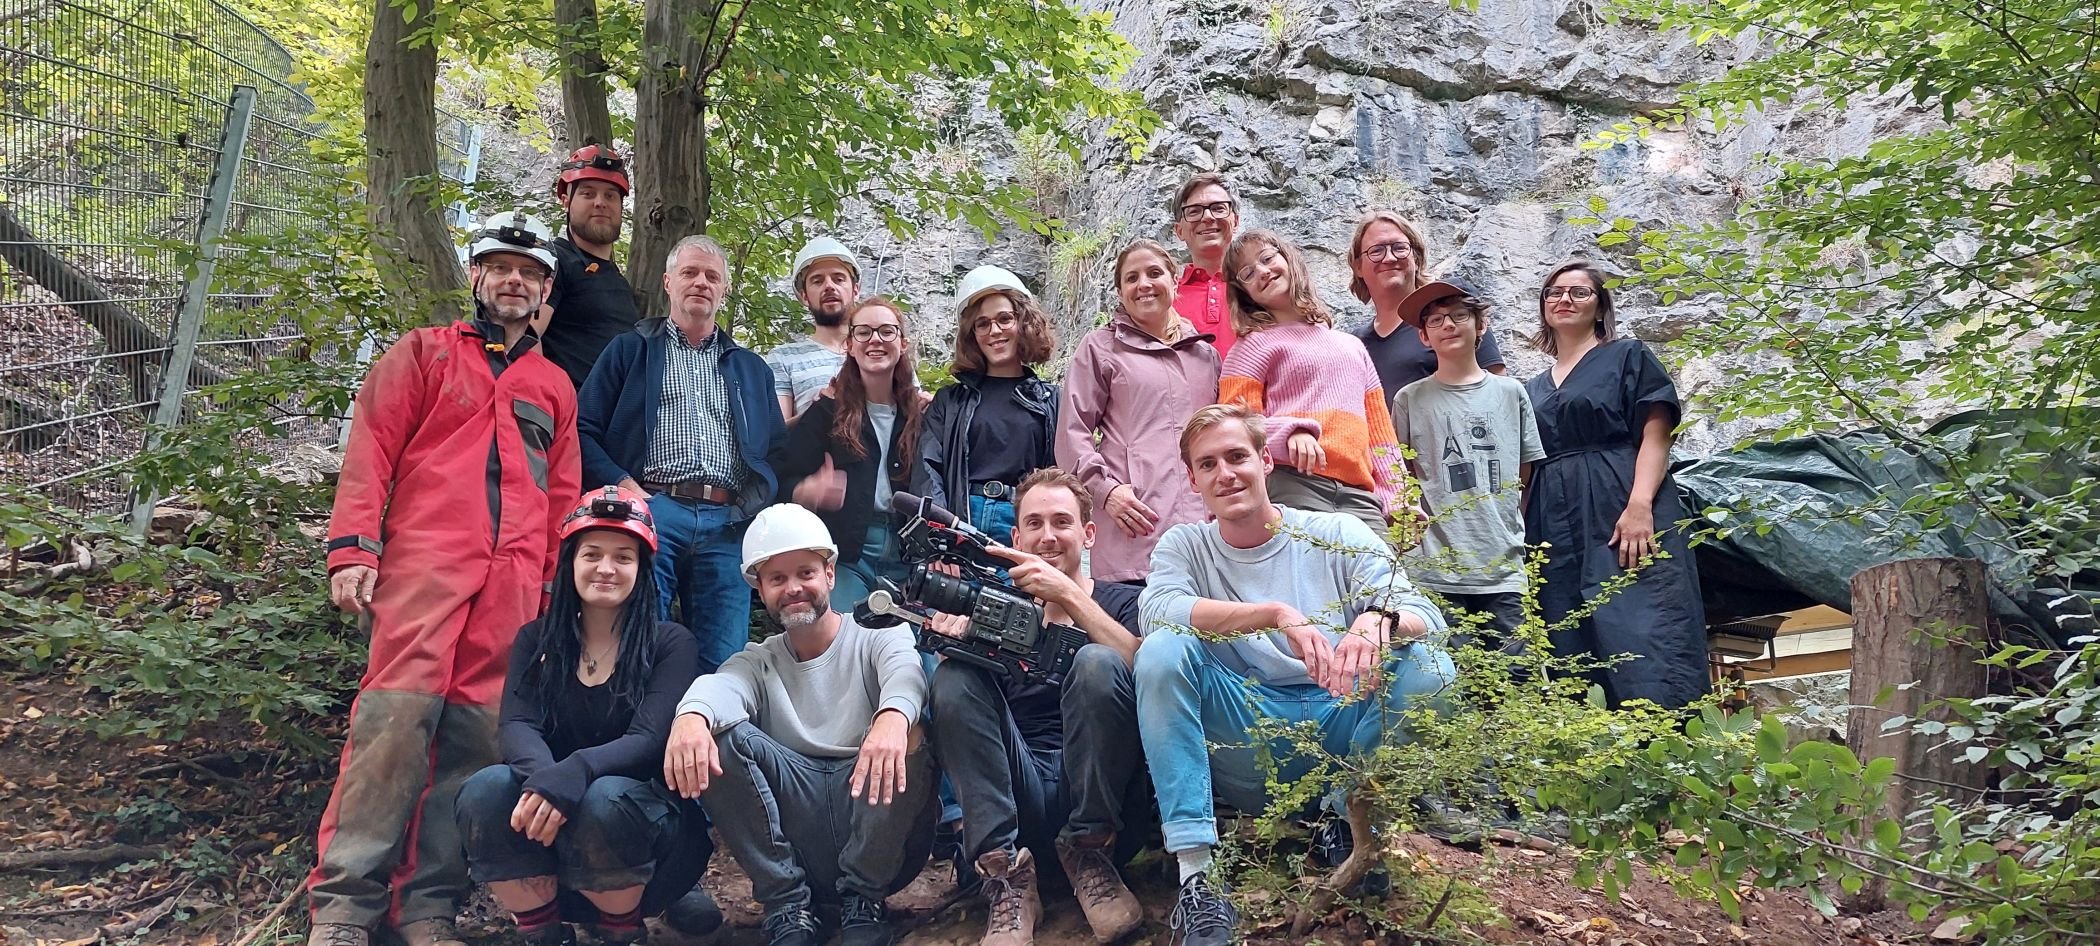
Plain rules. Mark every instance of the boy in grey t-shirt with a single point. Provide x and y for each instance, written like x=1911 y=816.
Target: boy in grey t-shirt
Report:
x=1474 y=441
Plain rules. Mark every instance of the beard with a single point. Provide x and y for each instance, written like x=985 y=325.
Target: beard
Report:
x=791 y=617
x=507 y=310
x=828 y=319
x=595 y=232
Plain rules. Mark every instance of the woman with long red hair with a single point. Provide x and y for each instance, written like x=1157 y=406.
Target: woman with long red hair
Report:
x=868 y=425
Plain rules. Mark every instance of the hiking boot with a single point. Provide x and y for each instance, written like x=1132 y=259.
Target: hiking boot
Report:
x=794 y=926
x=431 y=932
x=1332 y=843
x=862 y=922
x=338 y=934
x=695 y=914
x=553 y=934
x=1111 y=909
x=1009 y=889
x=1202 y=915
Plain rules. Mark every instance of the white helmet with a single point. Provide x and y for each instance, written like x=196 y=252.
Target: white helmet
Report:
x=823 y=248
x=513 y=232
x=784 y=527
x=983 y=280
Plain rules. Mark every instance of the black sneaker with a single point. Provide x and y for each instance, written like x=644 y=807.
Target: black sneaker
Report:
x=794 y=926
x=695 y=914
x=862 y=922
x=553 y=934
x=1202 y=915
x=1332 y=844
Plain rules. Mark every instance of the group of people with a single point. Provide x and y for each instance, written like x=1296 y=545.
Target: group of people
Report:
x=1208 y=493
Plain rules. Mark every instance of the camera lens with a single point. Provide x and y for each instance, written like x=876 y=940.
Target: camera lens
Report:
x=941 y=592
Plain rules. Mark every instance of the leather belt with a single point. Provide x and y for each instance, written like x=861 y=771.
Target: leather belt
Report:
x=993 y=489
x=704 y=492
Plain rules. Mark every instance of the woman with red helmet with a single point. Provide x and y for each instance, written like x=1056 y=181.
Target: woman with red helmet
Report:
x=574 y=824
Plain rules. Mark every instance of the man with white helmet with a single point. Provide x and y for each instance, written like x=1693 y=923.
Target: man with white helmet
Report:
x=592 y=302
x=459 y=470
x=827 y=281
x=804 y=749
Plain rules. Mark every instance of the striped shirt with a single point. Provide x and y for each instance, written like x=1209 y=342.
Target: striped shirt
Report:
x=695 y=441
x=802 y=369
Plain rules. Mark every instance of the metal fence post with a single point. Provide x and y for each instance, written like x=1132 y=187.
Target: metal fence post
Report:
x=189 y=321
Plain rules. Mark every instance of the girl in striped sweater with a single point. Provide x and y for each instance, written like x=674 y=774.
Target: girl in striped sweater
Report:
x=1330 y=432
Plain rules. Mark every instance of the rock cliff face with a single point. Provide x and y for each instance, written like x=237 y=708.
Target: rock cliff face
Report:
x=1468 y=122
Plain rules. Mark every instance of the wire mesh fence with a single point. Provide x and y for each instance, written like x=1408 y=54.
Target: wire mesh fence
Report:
x=112 y=119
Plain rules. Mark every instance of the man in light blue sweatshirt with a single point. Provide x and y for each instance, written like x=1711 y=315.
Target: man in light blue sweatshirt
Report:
x=1297 y=611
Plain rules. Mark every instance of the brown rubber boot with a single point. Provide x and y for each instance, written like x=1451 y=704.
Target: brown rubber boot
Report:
x=1111 y=909
x=1009 y=887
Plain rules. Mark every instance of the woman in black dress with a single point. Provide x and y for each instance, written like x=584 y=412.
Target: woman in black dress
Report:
x=575 y=824
x=1602 y=498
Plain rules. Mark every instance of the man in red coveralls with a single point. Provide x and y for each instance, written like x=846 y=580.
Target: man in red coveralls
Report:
x=461 y=464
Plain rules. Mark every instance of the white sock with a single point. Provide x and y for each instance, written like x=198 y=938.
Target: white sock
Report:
x=1195 y=860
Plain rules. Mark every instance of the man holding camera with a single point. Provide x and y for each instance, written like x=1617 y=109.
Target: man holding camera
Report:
x=1303 y=618
x=1033 y=764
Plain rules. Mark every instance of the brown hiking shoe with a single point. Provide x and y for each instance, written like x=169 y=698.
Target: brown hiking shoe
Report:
x=1111 y=909
x=1009 y=886
x=430 y=933
x=338 y=934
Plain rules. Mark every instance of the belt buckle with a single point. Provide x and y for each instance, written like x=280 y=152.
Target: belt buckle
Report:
x=993 y=489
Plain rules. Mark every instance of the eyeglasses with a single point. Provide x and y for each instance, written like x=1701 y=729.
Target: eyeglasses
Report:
x=500 y=270
x=1577 y=293
x=1458 y=317
x=1002 y=321
x=1267 y=258
x=887 y=333
x=1217 y=210
x=1385 y=251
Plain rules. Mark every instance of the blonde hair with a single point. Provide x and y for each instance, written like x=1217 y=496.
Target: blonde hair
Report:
x=1143 y=245
x=1220 y=414
x=1248 y=317
x=1357 y=286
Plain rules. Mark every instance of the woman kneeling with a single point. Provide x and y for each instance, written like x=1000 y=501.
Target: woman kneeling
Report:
x=572 y=826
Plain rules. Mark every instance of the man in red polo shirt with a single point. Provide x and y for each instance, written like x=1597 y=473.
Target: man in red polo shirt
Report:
x=1205 y=218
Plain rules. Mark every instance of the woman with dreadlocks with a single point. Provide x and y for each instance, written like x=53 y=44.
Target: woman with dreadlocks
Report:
x=574 y=825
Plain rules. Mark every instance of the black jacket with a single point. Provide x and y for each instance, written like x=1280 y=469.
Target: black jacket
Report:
x=943 y=471
x=802 y=453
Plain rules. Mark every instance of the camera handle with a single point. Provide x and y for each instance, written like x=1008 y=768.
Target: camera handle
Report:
x=881 y=601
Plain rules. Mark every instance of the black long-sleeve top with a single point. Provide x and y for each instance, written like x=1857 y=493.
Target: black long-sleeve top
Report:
x=592 y=736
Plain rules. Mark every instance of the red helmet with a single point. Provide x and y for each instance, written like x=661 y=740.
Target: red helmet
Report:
x=612 y=508
x=592 y=162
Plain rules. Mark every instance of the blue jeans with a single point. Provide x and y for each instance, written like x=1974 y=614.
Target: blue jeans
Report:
x=1187 y=701
x=625 y=833
x=993 y=517
x=881 y=556
x=698 y=554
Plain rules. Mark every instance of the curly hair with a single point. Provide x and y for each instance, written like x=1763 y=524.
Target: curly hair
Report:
x=1030 y=323
x=1249 y=317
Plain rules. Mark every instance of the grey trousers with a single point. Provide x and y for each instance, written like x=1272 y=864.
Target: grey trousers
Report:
x=789 y=821
x=1315 y=493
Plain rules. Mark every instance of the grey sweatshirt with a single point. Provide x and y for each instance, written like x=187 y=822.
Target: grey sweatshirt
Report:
x=1329 y=585
x=820 y=708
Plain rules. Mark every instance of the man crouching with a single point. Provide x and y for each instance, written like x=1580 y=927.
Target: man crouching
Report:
x=1034 y=764
x=802 y=748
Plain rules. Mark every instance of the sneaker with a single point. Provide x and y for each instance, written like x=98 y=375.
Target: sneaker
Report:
x=1436 y=816
x=794 y=926
x=862 y=922
x=1332 y=843
x=1111 y=909
x=431 y=932
x=623 y=936
x=1009 y=889
x=695 y=914
x=1202 y=915
x=338 y=934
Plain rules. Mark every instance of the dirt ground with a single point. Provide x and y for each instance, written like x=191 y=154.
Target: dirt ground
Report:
x=204 y=842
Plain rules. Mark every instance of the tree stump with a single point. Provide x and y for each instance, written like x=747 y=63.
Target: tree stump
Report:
x=1921 y=622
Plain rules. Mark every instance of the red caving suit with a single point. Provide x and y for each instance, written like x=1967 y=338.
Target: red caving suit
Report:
x=462 y=463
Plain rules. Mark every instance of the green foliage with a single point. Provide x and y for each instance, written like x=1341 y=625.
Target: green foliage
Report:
x=1951 y=262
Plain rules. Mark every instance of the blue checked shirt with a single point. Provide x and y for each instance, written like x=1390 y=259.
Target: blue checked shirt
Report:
x=695 y=441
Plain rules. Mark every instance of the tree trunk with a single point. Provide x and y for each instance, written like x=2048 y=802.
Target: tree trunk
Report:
x=1918 y=628
x=671 y=182
x=583 y=107
x=402 y=165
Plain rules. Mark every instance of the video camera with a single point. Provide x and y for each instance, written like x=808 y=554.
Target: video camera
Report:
x=1007 y=631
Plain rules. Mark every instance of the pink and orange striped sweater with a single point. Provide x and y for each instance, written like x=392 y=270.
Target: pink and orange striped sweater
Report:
x=1308 y=372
